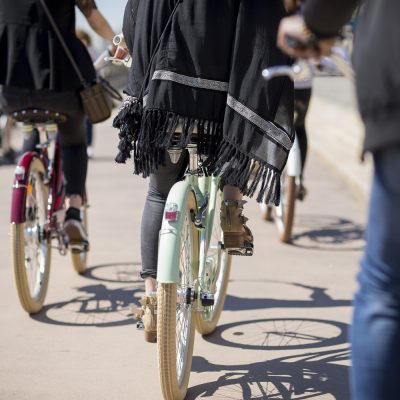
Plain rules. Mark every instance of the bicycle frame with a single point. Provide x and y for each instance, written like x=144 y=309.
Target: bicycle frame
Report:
x=53 y=177
x=205 y=189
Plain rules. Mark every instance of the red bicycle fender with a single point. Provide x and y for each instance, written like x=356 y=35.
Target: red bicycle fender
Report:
x=18 y=198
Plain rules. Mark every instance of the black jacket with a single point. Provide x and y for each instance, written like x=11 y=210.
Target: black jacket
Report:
x=31 y=56
x=376 y=61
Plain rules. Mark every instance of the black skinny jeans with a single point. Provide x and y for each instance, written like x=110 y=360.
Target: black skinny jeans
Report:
x=161 y=182
x=301 y=103
x=72 y=132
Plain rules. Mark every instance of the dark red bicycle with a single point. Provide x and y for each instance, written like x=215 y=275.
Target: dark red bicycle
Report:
x=37 y=209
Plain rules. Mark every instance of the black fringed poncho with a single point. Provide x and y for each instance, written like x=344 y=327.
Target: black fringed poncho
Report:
x=199 y=67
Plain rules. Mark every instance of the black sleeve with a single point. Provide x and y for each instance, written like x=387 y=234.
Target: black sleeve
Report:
x=325 y=17
x=128 y=27
x=86 y=6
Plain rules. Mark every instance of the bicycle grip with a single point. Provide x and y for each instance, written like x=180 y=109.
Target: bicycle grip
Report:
x=297 y=44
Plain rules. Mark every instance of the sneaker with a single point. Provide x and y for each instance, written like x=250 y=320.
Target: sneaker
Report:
x=75 y=231
x=90 y=151
x=301 y=192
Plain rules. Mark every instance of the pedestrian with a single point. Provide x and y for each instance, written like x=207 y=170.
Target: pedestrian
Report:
x=375 y=331
x=8 y=154
x=196 y=70
x=36 y=73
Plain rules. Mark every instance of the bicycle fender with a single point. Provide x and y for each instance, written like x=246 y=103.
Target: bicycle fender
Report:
x=169 y=237
x=19 y=188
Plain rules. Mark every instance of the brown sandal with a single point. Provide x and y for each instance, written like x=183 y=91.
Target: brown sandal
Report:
x=238 y=239
x=147 y=316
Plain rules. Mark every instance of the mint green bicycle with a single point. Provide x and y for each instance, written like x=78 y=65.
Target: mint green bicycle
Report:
x=192 y=274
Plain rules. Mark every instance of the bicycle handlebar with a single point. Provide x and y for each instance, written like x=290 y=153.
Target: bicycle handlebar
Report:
x=301 y=69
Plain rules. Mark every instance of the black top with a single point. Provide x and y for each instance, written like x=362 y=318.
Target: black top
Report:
x=31 y=56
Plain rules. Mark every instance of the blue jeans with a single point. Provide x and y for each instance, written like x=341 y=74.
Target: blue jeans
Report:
x=375 y=332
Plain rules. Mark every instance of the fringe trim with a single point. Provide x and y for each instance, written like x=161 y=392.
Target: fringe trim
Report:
x=128 y=121
x=243 y=171
x=148 y=134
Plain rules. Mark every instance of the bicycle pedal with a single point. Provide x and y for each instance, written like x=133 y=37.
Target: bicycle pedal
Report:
x=140 y=325
x=79 y=247
x=241 y=251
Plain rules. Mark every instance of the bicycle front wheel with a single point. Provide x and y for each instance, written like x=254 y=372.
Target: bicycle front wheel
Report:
x=175 y=315
x=218 y=266
x=31 y=250
x=79 y=259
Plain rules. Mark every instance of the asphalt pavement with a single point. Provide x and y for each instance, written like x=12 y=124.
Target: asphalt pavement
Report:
x=282 y=335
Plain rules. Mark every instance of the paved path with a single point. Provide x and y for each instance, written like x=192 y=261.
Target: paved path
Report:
x=283 y=333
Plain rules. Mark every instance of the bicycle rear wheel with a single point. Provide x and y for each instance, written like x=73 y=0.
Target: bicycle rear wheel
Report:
x=284 y=213
x=175 y=315
x=31 y=250
x=218 y=266
x=79 y=259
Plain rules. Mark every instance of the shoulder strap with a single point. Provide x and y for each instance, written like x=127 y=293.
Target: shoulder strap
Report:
x=63 y=44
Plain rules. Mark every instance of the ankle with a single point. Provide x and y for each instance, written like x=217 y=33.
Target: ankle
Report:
x=73 y=213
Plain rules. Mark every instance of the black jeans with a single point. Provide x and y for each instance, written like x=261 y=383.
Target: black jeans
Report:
x=160 y=184
x=72 y=132
x=301 y=103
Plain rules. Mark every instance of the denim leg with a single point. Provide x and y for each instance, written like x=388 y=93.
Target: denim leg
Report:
x=160 y=184
x=375 y=332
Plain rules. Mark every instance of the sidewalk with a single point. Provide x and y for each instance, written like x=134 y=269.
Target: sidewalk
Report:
x=336 y=131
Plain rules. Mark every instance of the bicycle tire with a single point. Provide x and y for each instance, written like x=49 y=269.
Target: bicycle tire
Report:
x=266 y=212
x=31 y=251
x=207 y=321
x=175 y=348
x=285 y=218
x=79 y=259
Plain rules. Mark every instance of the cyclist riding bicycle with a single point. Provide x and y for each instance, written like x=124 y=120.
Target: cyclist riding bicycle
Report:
x=196 y=70
x=35 y=73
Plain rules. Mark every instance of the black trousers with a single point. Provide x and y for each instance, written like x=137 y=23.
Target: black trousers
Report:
x=160 y=184
x=301 y=103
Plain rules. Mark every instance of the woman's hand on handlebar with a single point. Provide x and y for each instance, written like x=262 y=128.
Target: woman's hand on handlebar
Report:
x=296 y=40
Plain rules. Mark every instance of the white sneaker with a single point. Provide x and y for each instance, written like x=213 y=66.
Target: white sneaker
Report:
x=75 y=232
x=90 y=151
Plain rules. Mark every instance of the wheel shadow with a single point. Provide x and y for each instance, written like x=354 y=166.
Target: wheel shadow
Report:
x=280 y=334
x=324 y=232
x=305 y=376
x=118 y=272
x=95 y=306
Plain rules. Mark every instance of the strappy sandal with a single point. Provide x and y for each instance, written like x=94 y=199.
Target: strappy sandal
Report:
x=146 y=315
x=238 y=239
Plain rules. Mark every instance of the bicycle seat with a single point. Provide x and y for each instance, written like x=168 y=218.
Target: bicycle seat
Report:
x=38 y=115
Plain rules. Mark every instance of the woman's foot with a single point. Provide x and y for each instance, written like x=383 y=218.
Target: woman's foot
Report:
x=238 y=239
x=147 y=317
x=75 y=231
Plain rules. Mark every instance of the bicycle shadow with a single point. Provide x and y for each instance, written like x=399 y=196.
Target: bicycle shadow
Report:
x=318 y=299
x=97 y=306
x=118 y=272
x=280 y=334
x=324 y=232
x=304 y=376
